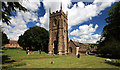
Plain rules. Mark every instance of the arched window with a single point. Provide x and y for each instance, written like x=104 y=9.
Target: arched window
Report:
x=58 y=21
x=55 y=33
x=55 y=22
x=64 y=21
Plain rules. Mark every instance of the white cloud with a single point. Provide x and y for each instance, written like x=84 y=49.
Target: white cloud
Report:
x=44 y=21
x=21 y=19
x=78 y=14
x=31 y=4
x=84 y=13
x=54 y=5
x=86 y=34
x=85 y=41
x=38 y=24
x=83 y=30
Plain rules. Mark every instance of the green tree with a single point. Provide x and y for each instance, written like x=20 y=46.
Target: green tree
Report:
x=5 y=39
x=109 y=43
x=8 y=8
x=35 y=38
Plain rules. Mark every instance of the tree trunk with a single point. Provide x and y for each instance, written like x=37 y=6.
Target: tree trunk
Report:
x=26 y=51
x=40 y=51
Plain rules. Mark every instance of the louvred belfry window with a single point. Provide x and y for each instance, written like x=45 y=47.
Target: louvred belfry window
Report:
x=55 y=22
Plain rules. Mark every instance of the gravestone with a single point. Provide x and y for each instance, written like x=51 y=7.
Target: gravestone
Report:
x=78 y=56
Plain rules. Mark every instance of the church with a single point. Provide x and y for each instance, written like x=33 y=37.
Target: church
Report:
x=58 y=34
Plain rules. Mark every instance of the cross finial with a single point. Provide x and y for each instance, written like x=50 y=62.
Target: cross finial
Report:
x=66 y=12
x=49 y=10
x=61 y=6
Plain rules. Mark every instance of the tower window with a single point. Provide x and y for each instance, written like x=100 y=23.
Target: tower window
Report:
x=55 y=33
x=55 y=21
x=58 y=21
x=64 y=20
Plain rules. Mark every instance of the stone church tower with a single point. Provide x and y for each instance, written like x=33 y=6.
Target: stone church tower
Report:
x=58 y=32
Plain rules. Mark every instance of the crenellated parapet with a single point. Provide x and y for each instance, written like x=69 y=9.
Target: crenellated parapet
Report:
x=58 y=13
x=58 y=33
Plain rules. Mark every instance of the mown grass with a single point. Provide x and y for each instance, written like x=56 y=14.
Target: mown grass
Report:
x=36 y=60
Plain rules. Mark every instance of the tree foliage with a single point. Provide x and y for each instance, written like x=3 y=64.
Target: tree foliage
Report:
x=5 y=39
x=9 y=7
x=92 y=45
x=109 y=44
x=35 y=38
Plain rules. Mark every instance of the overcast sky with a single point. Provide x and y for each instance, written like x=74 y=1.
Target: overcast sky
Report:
x=85 y=18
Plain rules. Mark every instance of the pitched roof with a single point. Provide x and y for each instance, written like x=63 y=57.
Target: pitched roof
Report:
x=12 y=41
x=78 y=44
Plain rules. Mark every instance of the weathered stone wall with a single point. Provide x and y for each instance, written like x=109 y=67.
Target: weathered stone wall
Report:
x=71 y=46
x=58 y=33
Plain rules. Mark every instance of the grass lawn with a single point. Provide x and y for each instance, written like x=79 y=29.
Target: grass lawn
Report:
x=20 y=60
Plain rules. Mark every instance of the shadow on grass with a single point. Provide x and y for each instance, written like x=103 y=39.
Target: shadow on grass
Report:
x=107 y=56
x=6 y=48
x=91 y=53
x=114 y=63
x=1 y=52
x=12 y=66
x=6 y=59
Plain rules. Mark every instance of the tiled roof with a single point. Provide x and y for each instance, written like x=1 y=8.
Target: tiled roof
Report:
x=80 y=45
x=12 y=41
x=77 y=44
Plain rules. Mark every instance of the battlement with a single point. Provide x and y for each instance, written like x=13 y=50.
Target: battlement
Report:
x=58 y=13
x=57 y=32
